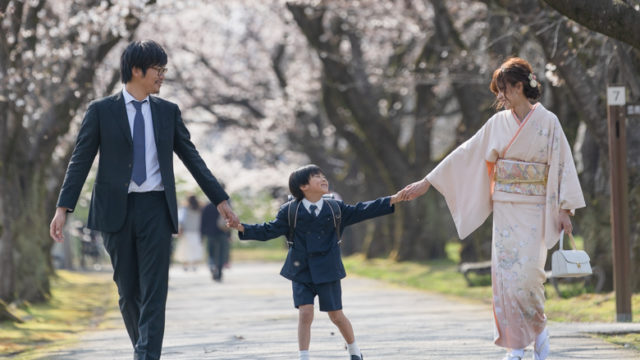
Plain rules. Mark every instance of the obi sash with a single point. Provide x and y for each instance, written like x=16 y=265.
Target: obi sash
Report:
x=521 y=177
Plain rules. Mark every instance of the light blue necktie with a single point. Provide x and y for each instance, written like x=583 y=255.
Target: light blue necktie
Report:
x=139 y=174
x=313 y=208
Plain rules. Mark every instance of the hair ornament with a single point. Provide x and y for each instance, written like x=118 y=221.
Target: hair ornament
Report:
x=533 y=82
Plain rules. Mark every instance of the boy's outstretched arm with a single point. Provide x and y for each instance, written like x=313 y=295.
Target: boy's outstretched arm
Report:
x=364 y=210
x=265 y=231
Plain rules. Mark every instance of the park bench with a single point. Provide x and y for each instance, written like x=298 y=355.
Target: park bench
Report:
x=484 y=268
x=478 y=268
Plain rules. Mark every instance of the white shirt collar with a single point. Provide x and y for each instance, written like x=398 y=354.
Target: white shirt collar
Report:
x=308 y=204
x=129 y=98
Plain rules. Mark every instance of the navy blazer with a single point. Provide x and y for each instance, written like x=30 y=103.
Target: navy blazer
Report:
x=315 y=255
x=105 y=128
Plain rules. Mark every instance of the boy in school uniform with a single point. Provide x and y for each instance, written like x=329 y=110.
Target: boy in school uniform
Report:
x=314 y=264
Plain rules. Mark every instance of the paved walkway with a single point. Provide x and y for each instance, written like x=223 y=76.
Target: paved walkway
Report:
x=250 y=316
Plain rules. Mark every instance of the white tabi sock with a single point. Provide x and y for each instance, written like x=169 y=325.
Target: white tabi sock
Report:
x=517 y=352
x=353 y=349
x=304 y=355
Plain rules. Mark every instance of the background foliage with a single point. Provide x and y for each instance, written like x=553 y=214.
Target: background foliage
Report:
x=376 y=93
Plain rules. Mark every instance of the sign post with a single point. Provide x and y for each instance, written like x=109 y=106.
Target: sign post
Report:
x=616 y=114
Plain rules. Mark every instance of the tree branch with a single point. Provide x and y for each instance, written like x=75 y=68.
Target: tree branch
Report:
x=350 y=94
x=613 y=18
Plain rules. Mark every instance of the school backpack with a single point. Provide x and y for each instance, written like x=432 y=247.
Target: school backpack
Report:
x=292 y=215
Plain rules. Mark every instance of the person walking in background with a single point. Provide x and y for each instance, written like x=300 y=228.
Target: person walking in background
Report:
x=134 y=195
x=189 y=248
x=314 y=263
x=218 y=235
x=518 y=166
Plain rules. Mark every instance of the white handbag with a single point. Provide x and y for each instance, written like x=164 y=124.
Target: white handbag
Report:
x=570 y=263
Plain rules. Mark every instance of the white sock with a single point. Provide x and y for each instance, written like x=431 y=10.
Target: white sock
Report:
x=517 y=352
x=353 y=349
x=304 y=354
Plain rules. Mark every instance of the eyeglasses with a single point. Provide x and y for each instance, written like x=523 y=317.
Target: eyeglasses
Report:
x=160 y=69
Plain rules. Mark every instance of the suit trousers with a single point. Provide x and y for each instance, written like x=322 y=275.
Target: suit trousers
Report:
x=218 y=248
x=140 y=254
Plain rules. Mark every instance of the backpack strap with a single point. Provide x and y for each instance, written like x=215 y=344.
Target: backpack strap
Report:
x=337 y=216
x=292 y=217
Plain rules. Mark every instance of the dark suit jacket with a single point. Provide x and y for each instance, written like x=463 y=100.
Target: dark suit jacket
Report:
x=315 y=255
x=105 y=128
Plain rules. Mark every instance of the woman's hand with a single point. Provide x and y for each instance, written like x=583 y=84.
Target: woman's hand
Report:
x=565 y=221
x=414 y=190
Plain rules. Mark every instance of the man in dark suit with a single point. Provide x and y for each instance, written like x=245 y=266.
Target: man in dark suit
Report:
x=134 y=198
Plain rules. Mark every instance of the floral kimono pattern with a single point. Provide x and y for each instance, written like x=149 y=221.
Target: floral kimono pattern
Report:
x=534 y=179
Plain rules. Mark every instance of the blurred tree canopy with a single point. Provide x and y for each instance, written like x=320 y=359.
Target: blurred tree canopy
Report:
x=376 y=93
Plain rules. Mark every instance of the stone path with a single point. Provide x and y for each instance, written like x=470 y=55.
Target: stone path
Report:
x=250 y=316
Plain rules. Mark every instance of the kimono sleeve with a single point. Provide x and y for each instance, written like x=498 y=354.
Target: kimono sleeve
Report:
x=463 y=181
x=563 y=185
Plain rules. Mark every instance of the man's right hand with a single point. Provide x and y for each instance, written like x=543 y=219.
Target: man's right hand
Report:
x=225 y=210
x=57 y=224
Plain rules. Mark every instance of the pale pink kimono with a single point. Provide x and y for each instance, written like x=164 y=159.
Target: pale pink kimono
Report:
x=524 y=225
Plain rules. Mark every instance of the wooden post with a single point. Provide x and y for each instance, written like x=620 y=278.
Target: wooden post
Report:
x=616 y=99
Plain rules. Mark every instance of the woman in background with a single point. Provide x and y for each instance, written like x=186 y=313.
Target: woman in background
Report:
x=189 y=250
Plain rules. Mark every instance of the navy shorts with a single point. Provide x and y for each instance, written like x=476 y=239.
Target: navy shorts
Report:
x=329 y=294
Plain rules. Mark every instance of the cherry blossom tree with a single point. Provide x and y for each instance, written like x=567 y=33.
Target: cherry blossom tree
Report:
x=374 y=92
x=50 y=58
x=354 y=86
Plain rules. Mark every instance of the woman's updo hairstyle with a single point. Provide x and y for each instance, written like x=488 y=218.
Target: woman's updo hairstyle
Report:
x=513 y=71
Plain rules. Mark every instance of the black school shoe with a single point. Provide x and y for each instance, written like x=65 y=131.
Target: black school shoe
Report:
x=356 y=357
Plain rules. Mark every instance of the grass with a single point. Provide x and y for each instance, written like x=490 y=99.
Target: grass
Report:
x=79 y=302
x=273 y=250
x=442 y=276
x=438 y=276
x=626 y=340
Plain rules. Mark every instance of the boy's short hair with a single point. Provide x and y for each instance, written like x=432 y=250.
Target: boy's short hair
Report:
x=301 y=177
x=143 y=55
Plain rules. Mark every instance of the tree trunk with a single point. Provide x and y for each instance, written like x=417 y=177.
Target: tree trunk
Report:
x=7 y=268
x=351 y=102
x=30 y=169
x=6 y=315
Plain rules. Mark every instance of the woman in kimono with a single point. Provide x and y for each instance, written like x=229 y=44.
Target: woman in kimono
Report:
x=518 y=165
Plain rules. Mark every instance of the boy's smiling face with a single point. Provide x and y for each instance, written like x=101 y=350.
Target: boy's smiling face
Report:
x=318 y=185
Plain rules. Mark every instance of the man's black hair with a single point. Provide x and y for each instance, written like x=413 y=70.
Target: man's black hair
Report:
x=143 y=55
x=301 y=177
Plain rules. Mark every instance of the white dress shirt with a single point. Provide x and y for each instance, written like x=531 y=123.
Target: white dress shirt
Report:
x=307 y=204
x=154 y=179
